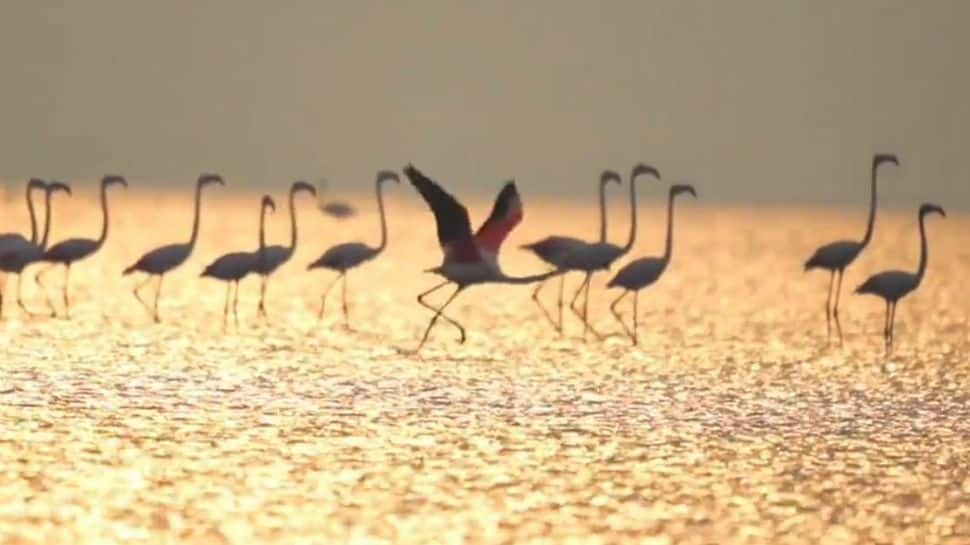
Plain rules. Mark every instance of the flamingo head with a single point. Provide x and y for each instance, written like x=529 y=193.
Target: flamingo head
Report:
x=206 y=179
x=880 y=158
x=269 y=203
x=387 y=175
x=677 y=189
x=303 y=186
x=36 y=183
x=643 y=168
x=928 y=208
x=54 y=187
x=609 y=176
x=112 y=179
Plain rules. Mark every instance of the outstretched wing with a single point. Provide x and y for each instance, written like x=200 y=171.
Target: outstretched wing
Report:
x=506 y=214
x=449 y=214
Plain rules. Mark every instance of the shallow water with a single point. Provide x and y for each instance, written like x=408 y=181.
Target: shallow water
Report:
x=732 y=422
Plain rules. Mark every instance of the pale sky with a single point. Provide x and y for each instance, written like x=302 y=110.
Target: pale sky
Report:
x=751 y=100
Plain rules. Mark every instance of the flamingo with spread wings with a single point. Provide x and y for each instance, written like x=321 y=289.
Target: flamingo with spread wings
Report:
x=469 y=258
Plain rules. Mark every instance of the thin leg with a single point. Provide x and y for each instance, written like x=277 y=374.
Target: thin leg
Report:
x=323 y=297
x=885 y=326
x=535 y=297
x=158 y=295
x=636 y=298
x=586 y=324
x=437 y=310
x=562 y=287
x=439 y=313
x=582 y=315
x=835 y=310
x=20 y=296
x=892 y=326
x=235 y=306
x=616 y=314
x=3 y=281
x=137 y=291
x=67 y=285
x=38 y=279
x=343 y=298
x=225 y=307
x=828 y=309
x=261 y=310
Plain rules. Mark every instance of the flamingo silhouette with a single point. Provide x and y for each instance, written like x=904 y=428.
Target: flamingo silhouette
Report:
x=69 y=251
x=835 y=257
x=161 y=260
x=346 y=256
x=276 y=255
x=894 y=285
x=600 y=256
x=469 y=259
x=16 y=258
x=233 y=267
x=554 y=250
x=643 y=272
x=9 y=241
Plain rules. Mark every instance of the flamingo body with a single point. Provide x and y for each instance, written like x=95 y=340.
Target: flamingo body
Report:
x=161 y=260
x=232 y=266
x=835 y=256
x=343 y=257
x=639 y=273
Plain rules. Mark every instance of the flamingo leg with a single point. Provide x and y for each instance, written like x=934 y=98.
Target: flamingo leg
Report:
x=261 y=310
x=323 y=297
x=439 y=313
x=235 y=306
x=828 y=309
x=562 y=287
x=158 y=295
x=586 y=324
x=885 y=325
x=3 y=281
x=225 y=307
x=20 y=296
x=38 y=279
x=835 y=309
x=892 y=326
x=343 y=299
x=636 y=298
x=582 y=315
x=616 y=314
x=535 y=297
x=137 y=293
x=67 y=284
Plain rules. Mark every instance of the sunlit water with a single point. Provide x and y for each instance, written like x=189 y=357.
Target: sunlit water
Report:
x=732 y=422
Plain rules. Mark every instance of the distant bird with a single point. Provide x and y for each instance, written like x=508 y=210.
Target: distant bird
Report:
x=894 y=285
x=161 y=260
x=469 y=259
x=338 y=209
x=16 y=258
x=554 y=250
x=835 y=257
x=600 y=256
x=346 y=256
x=643 y=272
x=233 y=267
x=276 y=255
x=9 y=241
x=69 y=251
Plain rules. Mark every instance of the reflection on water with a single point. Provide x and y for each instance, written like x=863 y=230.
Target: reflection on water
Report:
x=732 y=423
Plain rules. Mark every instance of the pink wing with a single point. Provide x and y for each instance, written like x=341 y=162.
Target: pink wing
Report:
x=506 y=214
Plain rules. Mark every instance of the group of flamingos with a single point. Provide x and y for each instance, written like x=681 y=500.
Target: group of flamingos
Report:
x=469 y=258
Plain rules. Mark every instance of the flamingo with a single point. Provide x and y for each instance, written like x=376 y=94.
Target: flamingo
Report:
x=600 y=256
x=161 y=260
x=346 y=256
x=643 y=272
x=835 y=257
x=469 y=259
x=17 y=257
x=894 y=285
x=69 y=251
x=9 y=241
x=554 y=250
x=233 y=267
x=276 y=255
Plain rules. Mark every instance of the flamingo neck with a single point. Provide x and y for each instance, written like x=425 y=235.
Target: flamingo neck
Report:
x=527 y=279
x=292 y=222
x=47 y=220
x=33 y=216
x=872 y=208
x=669 y=245
x=633 y=216
x=380 y=208
x=923 y=250
x=262 y=227
x=195 y=221
x=104 y=215
x=602 y=212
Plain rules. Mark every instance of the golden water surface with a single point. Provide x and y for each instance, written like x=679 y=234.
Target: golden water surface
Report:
x=732 y=422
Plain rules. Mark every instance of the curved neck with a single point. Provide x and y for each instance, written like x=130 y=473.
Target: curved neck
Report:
x=292 y=222
x=923 y=251
x=669 y=246
x=633 y=215
x=872 y=208
x=104 y=215
x=195 y=221
x=602 y=212
x=262 y=227
x=380 y=208
x=33 y=216
x=47 y=220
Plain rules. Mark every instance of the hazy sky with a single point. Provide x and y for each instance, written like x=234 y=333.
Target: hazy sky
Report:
x=776 y=100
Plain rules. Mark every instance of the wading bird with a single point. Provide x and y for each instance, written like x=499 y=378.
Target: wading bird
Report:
x=161 y=260
x=469 y=259
x=346 y=256
x=233 y=267
x=16 y=258
x=554 y=250
x=276 y=255
x=600 y=256
x=894 y=285
x=69 y=251
x=643 y=272
x=835 y=257
x=9 y=241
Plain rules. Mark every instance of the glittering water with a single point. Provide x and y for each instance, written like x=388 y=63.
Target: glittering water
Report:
x=733 y=422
